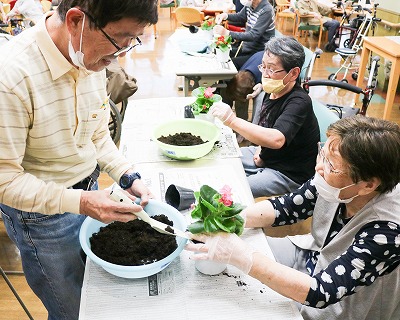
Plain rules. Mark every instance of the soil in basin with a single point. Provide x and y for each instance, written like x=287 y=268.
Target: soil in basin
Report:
x=132 y=243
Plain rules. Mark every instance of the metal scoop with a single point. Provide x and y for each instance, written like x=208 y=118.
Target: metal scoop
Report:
x=119 y=196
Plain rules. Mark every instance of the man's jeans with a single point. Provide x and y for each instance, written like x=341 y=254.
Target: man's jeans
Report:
x=52 y=259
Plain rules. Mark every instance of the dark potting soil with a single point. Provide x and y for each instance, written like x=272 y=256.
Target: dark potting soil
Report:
x=132 y=243
x=182 y=139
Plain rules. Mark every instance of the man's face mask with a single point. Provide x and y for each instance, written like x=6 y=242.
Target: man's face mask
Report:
x=77 y=57
x=246 y=3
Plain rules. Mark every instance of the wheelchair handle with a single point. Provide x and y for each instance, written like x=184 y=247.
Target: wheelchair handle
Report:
x=336 y=84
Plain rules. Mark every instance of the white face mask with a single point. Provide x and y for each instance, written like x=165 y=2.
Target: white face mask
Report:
x=77 y=57
x=246 y=3
x=329 y=193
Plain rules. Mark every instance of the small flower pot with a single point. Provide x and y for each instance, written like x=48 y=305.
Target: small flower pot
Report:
x=222 y=56
x=205 y=116
x=207 y=34
x=209 y=267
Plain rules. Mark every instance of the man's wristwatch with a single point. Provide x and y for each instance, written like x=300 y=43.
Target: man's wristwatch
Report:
x=127 y=179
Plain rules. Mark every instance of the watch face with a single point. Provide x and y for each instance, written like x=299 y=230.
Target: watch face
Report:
x=125 y=181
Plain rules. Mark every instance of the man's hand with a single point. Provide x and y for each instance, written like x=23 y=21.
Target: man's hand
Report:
x=317 y=15
x=138 y=189
x=98 y=205
x=221 y=17
x=223 y=112
x=222 y=247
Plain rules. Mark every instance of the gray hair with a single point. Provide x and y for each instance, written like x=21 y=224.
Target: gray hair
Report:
x=289 y=51
x=371 y=147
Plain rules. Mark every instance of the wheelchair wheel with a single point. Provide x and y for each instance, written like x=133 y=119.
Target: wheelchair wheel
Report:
x=344 y=80
x=115 y=123
x=332 y=76
x=354 y=75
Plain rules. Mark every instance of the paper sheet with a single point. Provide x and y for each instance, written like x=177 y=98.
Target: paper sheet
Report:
x=181 y=292
x=143 y=116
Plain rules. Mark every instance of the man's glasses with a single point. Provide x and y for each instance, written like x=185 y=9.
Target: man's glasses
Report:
x=328 y=167
x=268 y=71
x=119 y=49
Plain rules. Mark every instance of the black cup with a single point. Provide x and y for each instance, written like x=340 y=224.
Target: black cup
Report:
x=193 y=29
x=179 y=197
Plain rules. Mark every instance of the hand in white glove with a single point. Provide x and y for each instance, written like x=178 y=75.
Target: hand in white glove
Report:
x=256 y=91
x=223 y=112
x=223 y=247
x=220 y=31
x=221 y=17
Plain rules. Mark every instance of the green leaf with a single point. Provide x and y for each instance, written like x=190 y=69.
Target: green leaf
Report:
x=208 y=193
x=226 y=225
x=210 y=225
x=196 y=227
x=197 y=213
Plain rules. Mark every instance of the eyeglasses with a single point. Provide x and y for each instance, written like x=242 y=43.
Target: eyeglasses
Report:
x=268 y=71
x=120 y=50
x=328 y=167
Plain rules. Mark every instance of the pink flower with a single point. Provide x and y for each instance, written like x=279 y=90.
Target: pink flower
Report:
x=208 y=92
x=226 y=195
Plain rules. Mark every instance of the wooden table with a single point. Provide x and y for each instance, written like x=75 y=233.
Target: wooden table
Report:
x=388 y=48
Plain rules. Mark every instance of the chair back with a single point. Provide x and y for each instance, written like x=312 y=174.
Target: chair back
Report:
x=188 y=16
x=324 y=116
x=46 y=5
x=282 y=5
x=6 y=8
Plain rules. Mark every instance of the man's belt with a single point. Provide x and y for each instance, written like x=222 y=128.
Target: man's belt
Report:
x=88 y=182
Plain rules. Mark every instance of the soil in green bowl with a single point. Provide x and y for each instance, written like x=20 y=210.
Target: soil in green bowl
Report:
x=182 y=139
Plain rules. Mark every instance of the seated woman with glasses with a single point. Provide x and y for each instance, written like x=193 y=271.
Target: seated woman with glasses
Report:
x=287 y=132
x=348 y=266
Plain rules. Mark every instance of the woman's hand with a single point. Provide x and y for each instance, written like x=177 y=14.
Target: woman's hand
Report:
x=221 y=17
x=223 y=112
x=222 y=247
x=256 y=91
x=256 y=158
x=220 y=31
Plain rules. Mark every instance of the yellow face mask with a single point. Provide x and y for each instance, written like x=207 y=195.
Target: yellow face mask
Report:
x=273 y=86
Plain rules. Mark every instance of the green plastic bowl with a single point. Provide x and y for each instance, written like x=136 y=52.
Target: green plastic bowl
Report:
x=206 y=130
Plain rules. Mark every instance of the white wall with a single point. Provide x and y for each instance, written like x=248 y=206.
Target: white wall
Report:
x=392 y=5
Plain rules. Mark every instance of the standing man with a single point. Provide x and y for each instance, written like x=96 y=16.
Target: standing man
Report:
x=54 y=139
x=259 y=18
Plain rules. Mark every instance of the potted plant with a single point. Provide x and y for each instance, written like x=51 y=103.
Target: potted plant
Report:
x=208 y=25
x=222 y=45
x=205 y=98
x=215 y=212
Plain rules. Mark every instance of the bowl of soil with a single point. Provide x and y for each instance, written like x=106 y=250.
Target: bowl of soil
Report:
x=186 y=139
x=134 y=249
